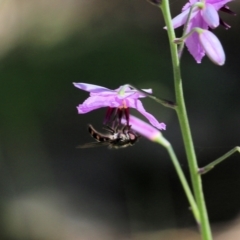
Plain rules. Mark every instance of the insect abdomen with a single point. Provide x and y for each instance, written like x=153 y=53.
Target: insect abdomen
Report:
x=96 y=135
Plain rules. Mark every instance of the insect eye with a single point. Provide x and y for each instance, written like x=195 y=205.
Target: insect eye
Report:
x=132 y=136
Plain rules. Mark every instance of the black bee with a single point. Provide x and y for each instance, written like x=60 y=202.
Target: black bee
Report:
x=119 y=137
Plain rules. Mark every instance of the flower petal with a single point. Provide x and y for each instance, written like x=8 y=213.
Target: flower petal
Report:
x=210 y=15
x=192 y=42
x=218 y=3
x=195 y=48
x=138 y=105
x=212 y=47
x=148 y=131
x=90 y=87
x=143 y=128
x=181 y=19
x=96 y=102
x=132 y=93
x=98 y=90
x=189 y=4
x=141 y=95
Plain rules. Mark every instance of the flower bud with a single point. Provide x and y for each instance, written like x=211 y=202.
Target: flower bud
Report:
x=148 y=131
x=212 y=46
x=210 y=15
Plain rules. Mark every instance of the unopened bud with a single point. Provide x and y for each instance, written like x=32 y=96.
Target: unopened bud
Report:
x=212 y=46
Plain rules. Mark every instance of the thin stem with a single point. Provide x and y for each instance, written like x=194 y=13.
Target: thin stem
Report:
x=211 y=165
x=182 y=39
x=164 y=102
x=182 y=178
x=180 y=50
x=184 y=124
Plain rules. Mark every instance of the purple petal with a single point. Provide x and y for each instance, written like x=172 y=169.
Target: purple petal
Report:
x=138 y=105
x=195 y=48
x=181 y=19
x=143 y=128
x=193 y=1
x=96 y=102
x=192 y=42
x=212 y=47
x=218 y=3
x=128 y=93
x=186 y=6
x=140 y=95
x=90 y=87
x=210 y=15
x=134 y=94
x=189 y=4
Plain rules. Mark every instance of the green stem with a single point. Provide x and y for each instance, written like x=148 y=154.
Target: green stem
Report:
x=211 y=165
x=181 y=176
x=164 y=102
x=186 y=133
x=180 y=50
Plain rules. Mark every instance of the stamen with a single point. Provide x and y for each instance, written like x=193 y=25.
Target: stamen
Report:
x=120 y=114
x=227 y=10
x=126 y=112
x=110 y=115
x=224 y=24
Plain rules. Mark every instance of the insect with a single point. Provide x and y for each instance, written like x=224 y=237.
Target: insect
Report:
x=119 y=137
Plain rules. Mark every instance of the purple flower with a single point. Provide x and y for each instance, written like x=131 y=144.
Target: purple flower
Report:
x=120 y=99
x=204 y=15
x=212 y=47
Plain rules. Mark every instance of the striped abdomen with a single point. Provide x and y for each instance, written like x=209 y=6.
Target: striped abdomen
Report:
x=96 y=135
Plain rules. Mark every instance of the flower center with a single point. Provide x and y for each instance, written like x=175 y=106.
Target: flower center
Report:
x=121 y=91
x=124 y=105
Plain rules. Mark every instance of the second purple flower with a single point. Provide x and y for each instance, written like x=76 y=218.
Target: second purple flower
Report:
x=204 y=15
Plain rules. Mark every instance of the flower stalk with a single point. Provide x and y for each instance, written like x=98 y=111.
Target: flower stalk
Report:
x=181 y=47
x=182 y=178
x=211 y=165
x=185 y=128
x=155 y=135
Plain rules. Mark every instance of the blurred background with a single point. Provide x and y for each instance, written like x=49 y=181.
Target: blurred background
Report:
x=51 y=190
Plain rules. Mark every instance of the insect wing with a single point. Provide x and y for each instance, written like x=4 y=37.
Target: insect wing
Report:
x=93 y=144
